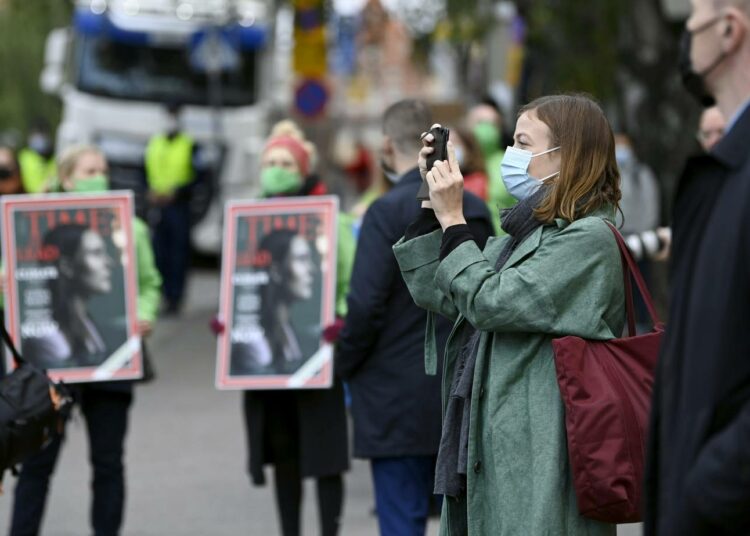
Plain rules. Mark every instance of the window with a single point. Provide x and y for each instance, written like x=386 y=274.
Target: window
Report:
x=144 y=72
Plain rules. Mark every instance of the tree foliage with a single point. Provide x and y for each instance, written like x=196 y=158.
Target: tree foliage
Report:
x=573 y=46
x=624 y=53
x=24 y=25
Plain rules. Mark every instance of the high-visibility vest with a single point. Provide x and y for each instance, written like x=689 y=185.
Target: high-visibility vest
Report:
x=169 y=163
x=36 y=171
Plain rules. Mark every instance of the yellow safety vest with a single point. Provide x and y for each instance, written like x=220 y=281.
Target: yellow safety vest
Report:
x=169 y=163
x=36 y=171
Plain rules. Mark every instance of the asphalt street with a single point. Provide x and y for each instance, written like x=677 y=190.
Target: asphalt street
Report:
x=186 y=451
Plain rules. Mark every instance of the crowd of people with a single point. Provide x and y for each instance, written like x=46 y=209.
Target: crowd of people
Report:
x=447 y=310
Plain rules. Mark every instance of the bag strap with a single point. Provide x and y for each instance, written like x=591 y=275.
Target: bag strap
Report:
x=630 y=269
x=11 y=345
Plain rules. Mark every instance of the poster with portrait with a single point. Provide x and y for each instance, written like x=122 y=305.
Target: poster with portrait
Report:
x=70 y=284
x=278 y=290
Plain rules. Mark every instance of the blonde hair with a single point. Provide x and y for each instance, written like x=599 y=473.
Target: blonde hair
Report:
x=287 y=127
x=67 y=159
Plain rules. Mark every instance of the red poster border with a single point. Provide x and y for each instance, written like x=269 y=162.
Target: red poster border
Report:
x=121 y=201
x=327 y=207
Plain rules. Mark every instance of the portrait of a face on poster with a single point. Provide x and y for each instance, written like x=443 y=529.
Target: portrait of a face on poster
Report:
x=277 y=294
x=70 y=284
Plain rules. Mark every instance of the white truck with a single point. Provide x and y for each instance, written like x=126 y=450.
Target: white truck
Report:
x=122 y=61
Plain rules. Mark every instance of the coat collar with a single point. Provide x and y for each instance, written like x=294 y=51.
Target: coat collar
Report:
x=410 y=177
x=530 y=245
x=732 y=151
x=525 y=248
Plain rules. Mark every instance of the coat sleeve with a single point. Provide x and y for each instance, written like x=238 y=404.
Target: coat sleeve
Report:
x=149 y=279
x=564 y=288
x=718 y=484
x=369 y=288
x=418 y=260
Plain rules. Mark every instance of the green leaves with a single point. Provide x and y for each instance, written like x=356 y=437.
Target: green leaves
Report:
x=24 y=25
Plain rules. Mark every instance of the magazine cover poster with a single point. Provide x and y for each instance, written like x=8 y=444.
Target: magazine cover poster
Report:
x=277 y=294
x=70 y=284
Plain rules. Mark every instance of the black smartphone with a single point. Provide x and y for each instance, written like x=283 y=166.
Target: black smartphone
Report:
x=440 y=144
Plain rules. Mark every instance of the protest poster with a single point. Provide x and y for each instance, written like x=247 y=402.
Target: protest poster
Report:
x=71 y=285
x=277 y=294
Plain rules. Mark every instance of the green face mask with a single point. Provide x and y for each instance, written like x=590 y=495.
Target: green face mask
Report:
x=275 y=180
x=95 y=184
x=488 y=136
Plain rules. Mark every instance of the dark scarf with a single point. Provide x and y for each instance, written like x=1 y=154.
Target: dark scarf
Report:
x=450 y=473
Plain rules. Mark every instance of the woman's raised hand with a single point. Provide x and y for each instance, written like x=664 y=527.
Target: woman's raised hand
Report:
x=446 y=185
x=427 y=150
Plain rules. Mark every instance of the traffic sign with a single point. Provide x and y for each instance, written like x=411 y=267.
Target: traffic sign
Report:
x=211 y=51
x=311 y=97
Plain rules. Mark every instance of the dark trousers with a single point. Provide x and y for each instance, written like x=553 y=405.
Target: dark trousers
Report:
x=281 y=438
x=288 y=484
x=172 y=249
x=403 y=488
x=106 y=414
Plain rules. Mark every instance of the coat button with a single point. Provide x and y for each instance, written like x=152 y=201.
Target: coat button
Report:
x=478 y=467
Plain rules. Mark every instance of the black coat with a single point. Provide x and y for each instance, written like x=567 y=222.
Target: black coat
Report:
x=306 y=426
x=395 y=406
x=698 y=470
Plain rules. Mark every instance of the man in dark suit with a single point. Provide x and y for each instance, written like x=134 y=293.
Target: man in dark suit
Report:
x=395 y=405
x=698 y=471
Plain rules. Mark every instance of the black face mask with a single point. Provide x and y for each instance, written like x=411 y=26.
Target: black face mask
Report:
x=692 y=81
x=390 y=173
x=6 y=173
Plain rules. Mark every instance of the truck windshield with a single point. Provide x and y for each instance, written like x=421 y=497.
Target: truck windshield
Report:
x=145 y=72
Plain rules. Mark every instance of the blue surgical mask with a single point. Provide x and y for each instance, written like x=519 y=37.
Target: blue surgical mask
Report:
x=515 y=170
x=624 y=155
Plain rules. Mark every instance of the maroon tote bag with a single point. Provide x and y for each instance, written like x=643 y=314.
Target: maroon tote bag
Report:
x=606 y=388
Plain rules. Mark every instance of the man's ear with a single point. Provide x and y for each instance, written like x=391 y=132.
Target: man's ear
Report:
x=735 y=29
x=387 y=147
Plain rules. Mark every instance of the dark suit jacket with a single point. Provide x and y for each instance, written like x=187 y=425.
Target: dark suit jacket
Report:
x=698 y=470
x=395 y=405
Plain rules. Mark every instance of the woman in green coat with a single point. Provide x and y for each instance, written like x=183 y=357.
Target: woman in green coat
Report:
x=503 y=461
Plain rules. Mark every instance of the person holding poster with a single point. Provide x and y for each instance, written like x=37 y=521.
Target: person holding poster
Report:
x=302 y=433
x=85 y=269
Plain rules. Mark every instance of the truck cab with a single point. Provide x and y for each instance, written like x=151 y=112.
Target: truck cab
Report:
x=122 y=61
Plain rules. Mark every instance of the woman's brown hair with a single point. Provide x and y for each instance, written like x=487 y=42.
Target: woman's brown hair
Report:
x=589 y=178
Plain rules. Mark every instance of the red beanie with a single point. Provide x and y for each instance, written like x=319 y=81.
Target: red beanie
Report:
x=294 y=146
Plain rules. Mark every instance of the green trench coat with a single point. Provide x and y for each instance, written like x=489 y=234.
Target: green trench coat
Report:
x=564 y=279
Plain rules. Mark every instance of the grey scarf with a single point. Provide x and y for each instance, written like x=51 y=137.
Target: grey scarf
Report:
x=450 y=472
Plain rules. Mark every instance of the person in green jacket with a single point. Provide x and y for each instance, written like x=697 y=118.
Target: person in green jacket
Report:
x=302 y=433
x=486 y=122
x=503 y=459
x=105 y=405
